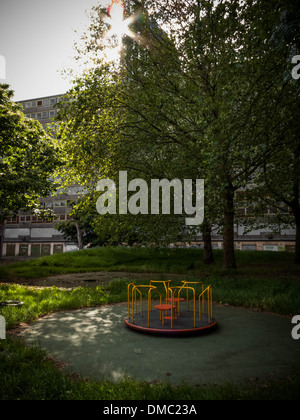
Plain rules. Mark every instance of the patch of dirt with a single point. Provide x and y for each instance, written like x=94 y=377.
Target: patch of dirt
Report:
x=93 y=279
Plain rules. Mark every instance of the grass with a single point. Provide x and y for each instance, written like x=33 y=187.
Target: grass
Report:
x=278 y=295
x=267 y=281
x=264 y=280
x=180 y=261
x=40 y=302
x=27 y=373
x=105 y=259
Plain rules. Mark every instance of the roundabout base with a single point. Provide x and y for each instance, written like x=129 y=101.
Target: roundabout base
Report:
x=182 y=325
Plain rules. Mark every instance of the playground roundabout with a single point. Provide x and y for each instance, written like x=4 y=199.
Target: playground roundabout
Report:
x=173 y=314
x=235 y=345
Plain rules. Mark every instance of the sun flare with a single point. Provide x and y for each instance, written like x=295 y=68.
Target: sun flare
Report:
x=118 y=25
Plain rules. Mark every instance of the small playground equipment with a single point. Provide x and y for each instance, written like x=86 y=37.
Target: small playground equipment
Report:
x=160 y=308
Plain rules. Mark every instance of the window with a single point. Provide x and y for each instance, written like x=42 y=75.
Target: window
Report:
x=53 y=101
x=37 y=219
x=49 y=205
x=40 y=103
x=249 y=211
x=35 y=250
x=58 y=249
x=45 y=250
x=61 y=203
x=273 y=210
x=10 y=250
x=53 y=114
x=25 y=218
x=249 y=247
x=23 y=250
x=32 y=116
x=30 y=104
x=12 y=220
x=46 y=102
x=42 y=115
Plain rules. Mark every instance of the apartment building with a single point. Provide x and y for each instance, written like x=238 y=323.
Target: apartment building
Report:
x=42 y=109
x=26 y=234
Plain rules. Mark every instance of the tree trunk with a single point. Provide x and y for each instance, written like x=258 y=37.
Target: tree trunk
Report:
x=79 y=235
x=296 y=203
x=297 y=219
x=208 y=256
x=228 y=234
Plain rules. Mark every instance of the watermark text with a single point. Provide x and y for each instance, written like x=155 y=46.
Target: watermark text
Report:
x=296 y=329
x=296 y=69
x=2 y=328
x=188 y=197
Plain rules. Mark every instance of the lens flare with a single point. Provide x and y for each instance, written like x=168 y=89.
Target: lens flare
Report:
x=118 y=25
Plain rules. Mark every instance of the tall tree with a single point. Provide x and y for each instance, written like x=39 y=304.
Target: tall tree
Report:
x=277 y=183
x=28 y=158
x=197 y=94
x=209 y=100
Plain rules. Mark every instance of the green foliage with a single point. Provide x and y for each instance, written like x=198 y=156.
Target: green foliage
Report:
x=189 y=101
x=28 y=157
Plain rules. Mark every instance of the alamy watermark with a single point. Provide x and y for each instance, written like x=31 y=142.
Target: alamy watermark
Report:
x=296 y=329
x=188 y=197
x=2 y=328
x=296 y=70
x=2 y=68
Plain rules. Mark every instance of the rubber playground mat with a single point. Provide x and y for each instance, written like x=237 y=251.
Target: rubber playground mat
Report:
x=246 y=345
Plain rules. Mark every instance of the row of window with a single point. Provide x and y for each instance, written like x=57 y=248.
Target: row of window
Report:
x=64 y=206
x=57 y=203
x=42 y=102
x=35 y=219
x=270 y=211
x=35 y=250
x=43 y=115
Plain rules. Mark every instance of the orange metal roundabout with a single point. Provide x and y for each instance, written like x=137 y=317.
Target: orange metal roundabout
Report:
x=159 y=308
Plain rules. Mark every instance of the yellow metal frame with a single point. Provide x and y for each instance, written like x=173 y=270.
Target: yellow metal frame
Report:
x=205 y=296
x=208 y=290
x=187 y=288
x=166 y=284
x=187 y=283
x=133 y=300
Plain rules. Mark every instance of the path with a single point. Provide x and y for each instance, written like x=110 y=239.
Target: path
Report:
x=73 y=280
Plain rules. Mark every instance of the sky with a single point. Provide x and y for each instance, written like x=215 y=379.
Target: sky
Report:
x=37 y=43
